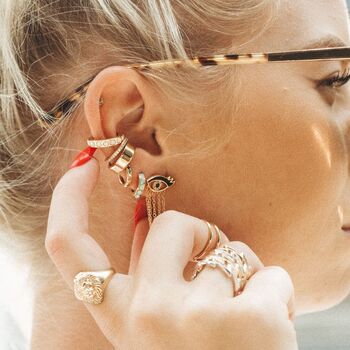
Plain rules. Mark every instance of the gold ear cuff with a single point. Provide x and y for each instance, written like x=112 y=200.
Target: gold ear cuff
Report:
x=119 y=162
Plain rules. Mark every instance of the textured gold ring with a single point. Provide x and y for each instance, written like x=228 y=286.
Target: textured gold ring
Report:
x=89 y=286
x=233 y=263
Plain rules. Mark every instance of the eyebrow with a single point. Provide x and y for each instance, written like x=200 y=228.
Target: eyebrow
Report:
x=327 y=41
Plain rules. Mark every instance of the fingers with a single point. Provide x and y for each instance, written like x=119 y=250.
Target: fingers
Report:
x=272 y=282
x=67 y=241
x=173 y=239
x=214 y=281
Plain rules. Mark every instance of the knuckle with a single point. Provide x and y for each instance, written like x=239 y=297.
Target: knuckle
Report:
x=283 y=273
x=239 y=245
x=199 y=310
x=166 y=216
x=148 y=312
x=257 y=310
x=55 y=243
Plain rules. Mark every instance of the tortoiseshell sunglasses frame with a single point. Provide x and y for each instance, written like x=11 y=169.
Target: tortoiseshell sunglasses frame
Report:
x=334 y=53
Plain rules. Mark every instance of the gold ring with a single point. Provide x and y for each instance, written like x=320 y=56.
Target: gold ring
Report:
x=211 y=234
x=234 y=264
x=89 y=286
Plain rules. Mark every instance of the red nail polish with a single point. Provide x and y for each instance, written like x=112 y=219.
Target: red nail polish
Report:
x=140 y=211
x=84 y=156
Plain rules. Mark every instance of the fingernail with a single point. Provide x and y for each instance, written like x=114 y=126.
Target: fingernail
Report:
x=84 y=156
x=140 y=211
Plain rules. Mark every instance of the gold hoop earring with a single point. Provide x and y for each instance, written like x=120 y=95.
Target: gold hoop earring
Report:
x=123 y=160
x=127 y=181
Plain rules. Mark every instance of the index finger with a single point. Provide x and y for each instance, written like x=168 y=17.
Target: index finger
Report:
x=70 y=246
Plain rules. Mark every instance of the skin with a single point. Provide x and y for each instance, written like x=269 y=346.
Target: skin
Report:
x=285 y=188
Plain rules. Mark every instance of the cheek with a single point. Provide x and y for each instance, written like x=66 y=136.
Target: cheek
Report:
x=293 y=158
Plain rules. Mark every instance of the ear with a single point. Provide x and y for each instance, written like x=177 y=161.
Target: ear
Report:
x=130 y=107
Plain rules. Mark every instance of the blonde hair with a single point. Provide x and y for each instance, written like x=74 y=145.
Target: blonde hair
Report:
x=50 y=47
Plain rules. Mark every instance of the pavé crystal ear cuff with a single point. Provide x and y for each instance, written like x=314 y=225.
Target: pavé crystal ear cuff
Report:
x=114 y=141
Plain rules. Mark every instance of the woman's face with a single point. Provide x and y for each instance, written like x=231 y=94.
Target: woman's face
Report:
x=282 y=183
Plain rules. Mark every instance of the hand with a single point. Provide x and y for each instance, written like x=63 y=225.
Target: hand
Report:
x=156 y=307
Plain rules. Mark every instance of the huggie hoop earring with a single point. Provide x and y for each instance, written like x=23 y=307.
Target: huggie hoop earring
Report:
x=126 y=182
x=116 y=152
x=124 y=160
x=141 y=186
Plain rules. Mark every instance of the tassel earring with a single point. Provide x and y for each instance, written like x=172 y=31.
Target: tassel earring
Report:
x=155 y=198
x=154 y=188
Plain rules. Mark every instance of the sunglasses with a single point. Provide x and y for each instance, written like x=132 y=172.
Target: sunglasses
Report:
x=68 y=104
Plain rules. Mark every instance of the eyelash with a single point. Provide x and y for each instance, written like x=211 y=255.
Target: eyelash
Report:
x=337 y=80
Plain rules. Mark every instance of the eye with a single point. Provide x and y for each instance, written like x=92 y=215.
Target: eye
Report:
x=158 y=183
x=337 y=80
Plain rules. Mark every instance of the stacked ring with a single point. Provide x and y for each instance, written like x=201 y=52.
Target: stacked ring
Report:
x=234 y=264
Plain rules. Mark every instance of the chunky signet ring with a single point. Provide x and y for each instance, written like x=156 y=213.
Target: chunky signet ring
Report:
x=214 y=240
x=89 y=286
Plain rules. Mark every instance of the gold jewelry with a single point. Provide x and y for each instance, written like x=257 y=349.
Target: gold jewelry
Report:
x=124 y=160
x=155 y=199
x=141 y=186
x=245 y=268
x=126 y=182
x=89 y=286
x=114 y=141
x=211 y=234
x=234 y=264
x=116 y=152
